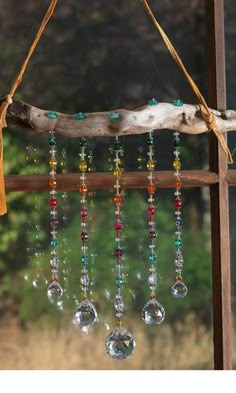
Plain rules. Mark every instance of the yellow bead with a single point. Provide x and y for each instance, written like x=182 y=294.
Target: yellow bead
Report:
x=177 y=165
x=150 y=165
x=53 y=163
x=91 y=168
x=62 y=164
x=83 y=166
x=117 y=172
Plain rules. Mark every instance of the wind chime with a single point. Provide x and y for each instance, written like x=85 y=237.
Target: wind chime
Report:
x=120 y=343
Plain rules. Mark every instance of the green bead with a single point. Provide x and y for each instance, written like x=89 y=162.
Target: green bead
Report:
x=153 y=101
x=152 y=257
x=178 y=103
x=52 y=115
x=80 y=116
x=83 y=142
x=119 y=281
x=150 y=142
x=54 y=242
x=114 y=116
x=178 y=242
x=116 y=145
x=85 y=259
x=52 y=141
x=177 y=143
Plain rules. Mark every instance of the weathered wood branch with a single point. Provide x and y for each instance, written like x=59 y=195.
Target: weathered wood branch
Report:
x=186 y=119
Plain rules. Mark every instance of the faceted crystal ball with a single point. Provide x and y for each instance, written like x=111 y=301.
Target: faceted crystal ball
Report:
x=120 y=343
x=85 y=314
x=153 y=313
x=54 y=291
x=179 y=289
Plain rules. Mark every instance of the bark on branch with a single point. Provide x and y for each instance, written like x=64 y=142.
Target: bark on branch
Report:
x=186 y=119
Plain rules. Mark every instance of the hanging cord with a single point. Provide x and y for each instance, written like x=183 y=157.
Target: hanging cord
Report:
x=8 y=100
x=206 y=113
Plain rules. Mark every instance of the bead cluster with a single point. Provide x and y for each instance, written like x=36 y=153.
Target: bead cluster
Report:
x=179 y=289
x=54 y=291
x=153 y=313
x=85 y=314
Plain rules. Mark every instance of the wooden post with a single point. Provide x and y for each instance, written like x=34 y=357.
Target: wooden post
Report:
x=221 y=277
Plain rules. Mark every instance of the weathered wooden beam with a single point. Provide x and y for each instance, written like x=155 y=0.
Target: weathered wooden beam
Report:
x=185 y=119
x=103 y=181
x=221 y=274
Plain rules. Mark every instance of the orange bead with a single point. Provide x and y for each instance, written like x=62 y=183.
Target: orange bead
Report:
x=83 y=189
x=151 y=189
x=177 y=184
x=52 y=183
x=117 y=199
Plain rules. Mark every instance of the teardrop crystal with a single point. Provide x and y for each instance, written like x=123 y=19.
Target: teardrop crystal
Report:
x=120 y=344
x=179 y=289
x=85 y=314
x=54 y=291
x=153 y=313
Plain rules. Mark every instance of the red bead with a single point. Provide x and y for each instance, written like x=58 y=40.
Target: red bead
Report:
x=151 y=211
x=118 y=226
x=53 y=202
x=177 y=203
x=151 y=189
x=83 y=212
x=118 y=252
x=84 y=236
x=117 y=199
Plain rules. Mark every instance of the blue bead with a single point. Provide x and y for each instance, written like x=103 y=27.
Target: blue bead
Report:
x=85 y=259
x=54 y=242
x=152 y=257
x=178 y=242
x=119 y=281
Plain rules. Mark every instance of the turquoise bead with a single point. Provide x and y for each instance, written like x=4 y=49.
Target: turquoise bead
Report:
x=52 y=115
x=119 y=281
x=80 y=116
x=177 y=143
x=178 y=103
x=152 y=257
x=116 y=146
x=85 y=259
x=150 y=141
x=54 y=242
x=153 y=101
x=114 y=116
x=178 y=242
x=52 y=141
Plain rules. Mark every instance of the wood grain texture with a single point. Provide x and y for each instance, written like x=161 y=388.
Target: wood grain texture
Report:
x=221 y=274
x=185 y=119
x=104 y=181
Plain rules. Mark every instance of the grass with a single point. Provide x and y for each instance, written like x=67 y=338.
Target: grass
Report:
x=187 y=345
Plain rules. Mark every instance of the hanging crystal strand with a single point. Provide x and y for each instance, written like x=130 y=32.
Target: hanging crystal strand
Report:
x=153 y=313
x=85 y=313
x=54 y=290
x=38 y=247
x=120 y=343
x=65 y=249
x=179 y=289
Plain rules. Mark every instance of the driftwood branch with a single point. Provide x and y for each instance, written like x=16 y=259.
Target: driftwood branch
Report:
x=186 y=119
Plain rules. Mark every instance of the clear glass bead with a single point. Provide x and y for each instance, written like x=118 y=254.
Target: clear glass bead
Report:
x=179 y=289
x=153 y=312
x=54 y=291
x=85 y=314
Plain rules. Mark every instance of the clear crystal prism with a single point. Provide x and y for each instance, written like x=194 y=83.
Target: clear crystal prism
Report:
x=85 y=314
x=120 y=344
x=54 y=291
x=153 y=312
x=179 y=289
